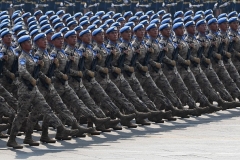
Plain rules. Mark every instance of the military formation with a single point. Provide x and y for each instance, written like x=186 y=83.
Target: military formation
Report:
x=109 y=70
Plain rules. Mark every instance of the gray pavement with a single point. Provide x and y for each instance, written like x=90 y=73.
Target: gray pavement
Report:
x=212 y=136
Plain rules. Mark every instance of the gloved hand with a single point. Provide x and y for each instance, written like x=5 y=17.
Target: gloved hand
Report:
x=48 y=80
x=104 y=70
x=90 y=73
x=33 y=82
x=79 y=73
x=173 y=63
x=218 y=56
x=117 y=70
x=65 y=77
x=187 y=62
x=131 y=69
x=207 y=60
x=56 y=62
x=144 y=68
x=228 y=54
x=158 y=65
x=197 y=60
x=12 y=76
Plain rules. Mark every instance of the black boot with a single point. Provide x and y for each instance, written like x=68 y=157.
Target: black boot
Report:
x=94 y=132
x=45 y=138
x=113 y=123
x=28 y=140
x=102 y=128
x=37 y=127
x=213 y=108
x=142 y=121
x=168 y=115
x=123 y=117
x=12 y=143
x=142 y=115
x=81 y=130
x=99 y=121
x=65 y=134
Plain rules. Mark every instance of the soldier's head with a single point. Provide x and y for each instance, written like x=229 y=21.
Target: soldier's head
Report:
x=25 y=43
x=49 y=33
x=201 y=26
x=57 y=40
x=112 y=34
x=190 y=27
x=25 y=17
x=78 y=29
x=6 y=37
x=233 y=23
x=223 y=24
x=126 y=33
x=86 y=36
x=165 y=30
x=152 y=30
x=98 y=35
x=178 y=28
x=139 y=31
x=38 y=14
x=71 y=37
x=212 y=24
x=41 y=40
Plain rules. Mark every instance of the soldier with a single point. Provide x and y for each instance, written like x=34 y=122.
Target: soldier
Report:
x=146 y=77
x=107 y=84
x=219 y=51
x=171 y=72
x=94 y=87
x=184 y=70
x=50 y=94
x=29 y=95
x=235 y=42
x=81 y=91
x=67 y=94
x=205 y=60
x=196 y=68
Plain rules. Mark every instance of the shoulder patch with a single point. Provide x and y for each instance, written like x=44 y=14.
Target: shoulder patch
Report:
x=1 y=54
x=22 y=61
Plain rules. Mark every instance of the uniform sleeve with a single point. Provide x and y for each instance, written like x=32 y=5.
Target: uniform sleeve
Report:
x=58 y=72
x=23 y=72
x=41 y=75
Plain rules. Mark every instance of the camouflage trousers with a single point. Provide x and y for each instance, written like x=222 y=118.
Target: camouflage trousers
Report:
x=179 y=87
x=11 y=88
x=126 y=89
x=100 y=96
x=56 y=103
x=205 y=85
x=193 y=86
x=232 y=70
x=6 y=110
x=115 y=94
x=83 y=94
x=228 y=82
x=217 y=83
x=39 y=106
x=11 y=100
x=162 y=83
x=71 y=99
x=152 y=90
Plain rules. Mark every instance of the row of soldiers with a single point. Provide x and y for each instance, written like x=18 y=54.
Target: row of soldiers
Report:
x=106 y=69
x=74 y=6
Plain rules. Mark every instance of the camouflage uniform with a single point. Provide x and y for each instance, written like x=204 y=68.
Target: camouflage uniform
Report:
x=67 y=94
x=209 y=71
x=228 y=61
x=6 y=110
x=11 y=100
x=174 y=77
x=159 y=78
x=154 y=93
x=103 y=79
x=187 y=75
x=196 y=69
x=220 y=69
x=93 y=87
x=235 y=49
x=123 y=84
x=49 y=92
x=31 y=98
x=77 y=84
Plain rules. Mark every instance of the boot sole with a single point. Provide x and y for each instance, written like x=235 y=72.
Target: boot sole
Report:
x=63 y=138
x=47 y=141
x=20 y=147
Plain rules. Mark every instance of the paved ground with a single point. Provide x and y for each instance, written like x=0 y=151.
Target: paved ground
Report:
x=213 y=136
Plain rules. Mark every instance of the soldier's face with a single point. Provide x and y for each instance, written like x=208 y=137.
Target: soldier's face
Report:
x=191 y=29
x=140 y=33
x=234 y=25
x=127 y=35
x=166 y=32
x=58 y=42
x=7 y=39
x=42 y=43
x=179 y=31
x=99 y=37
x=213 y=27
x=224 y=26
x=202 y=28
x=123 y=23
x=113 y=36
x=49 y=35
x=72 y=40
x=27 y=45
x=153 y=32
x=86 y=38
